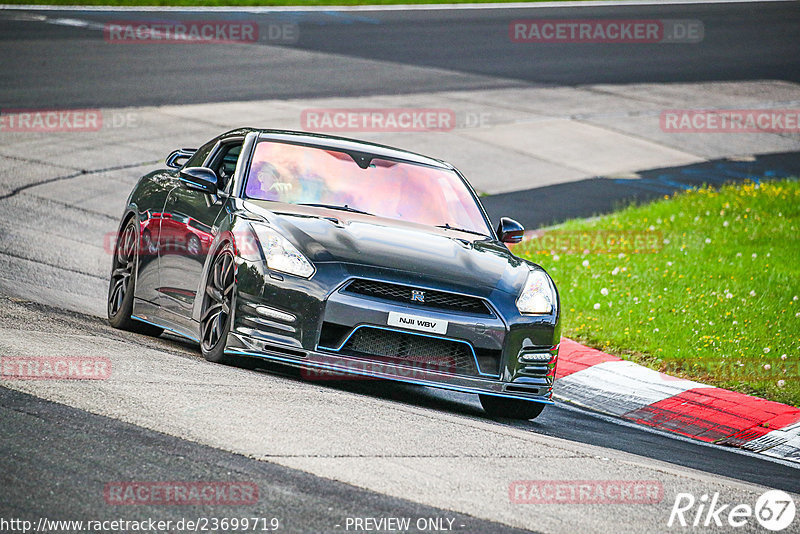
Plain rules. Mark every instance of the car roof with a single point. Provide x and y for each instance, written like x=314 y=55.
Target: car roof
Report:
x=344 y=144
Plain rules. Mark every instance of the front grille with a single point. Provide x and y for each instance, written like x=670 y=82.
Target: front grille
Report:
x=439 y=300
x=411 y=349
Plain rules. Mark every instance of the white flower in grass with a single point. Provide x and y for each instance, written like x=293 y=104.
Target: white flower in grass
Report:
x=621 y=255
x=708 y=240
x=669 y=264
x=735 y=322
x=615 y=271
x=752 y=293
x=738 y=254
x=755 y=255
x=783 y=356
x=596 y=306
x=651 y=227
x=556 y=257
x=604 y=292
x=655 y=330
x=585 y=263
x=728 y=295
x=725 y=224
x=794 y=298
x=767 y=366
x=781 y=383
x=666 y=241
x=766 y=350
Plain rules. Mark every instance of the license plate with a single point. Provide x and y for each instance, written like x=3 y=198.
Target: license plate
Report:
x=415 y=322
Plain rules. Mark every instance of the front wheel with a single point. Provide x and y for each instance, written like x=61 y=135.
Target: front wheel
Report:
x=215 y=318
x=510 y=408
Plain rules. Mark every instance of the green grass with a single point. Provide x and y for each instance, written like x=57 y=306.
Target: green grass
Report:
x=251 y=2
x=717 y=298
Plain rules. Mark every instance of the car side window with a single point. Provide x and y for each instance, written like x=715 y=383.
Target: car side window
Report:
x=224 y=163
x=200 y=156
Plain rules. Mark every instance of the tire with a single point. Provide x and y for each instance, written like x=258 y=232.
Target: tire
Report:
x=121 y=287
x=510 y=408
x=215 y=317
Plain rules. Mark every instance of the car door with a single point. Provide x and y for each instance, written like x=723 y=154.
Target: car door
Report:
x=187 y=232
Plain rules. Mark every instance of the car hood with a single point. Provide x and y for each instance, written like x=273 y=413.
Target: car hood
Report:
x=448 y=256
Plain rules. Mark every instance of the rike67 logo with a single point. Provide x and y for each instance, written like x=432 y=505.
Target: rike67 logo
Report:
x=774 y=510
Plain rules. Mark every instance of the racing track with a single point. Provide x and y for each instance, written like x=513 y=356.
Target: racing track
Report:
x=319 y=451
x=385 y=52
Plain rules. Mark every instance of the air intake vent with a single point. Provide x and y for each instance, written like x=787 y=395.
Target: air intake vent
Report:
x=410 y=349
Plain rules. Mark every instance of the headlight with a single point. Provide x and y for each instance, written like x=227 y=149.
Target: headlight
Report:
x=538 y=296
x=280 y=254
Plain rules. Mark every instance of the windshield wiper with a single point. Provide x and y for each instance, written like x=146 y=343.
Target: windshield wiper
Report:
x=448 y=227
x=337 y=207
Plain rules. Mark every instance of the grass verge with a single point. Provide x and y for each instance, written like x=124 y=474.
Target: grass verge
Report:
x=704 y=285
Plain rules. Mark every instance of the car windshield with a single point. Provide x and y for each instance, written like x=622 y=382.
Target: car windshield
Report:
x=397 y=190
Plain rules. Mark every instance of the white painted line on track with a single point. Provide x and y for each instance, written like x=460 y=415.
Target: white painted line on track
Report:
x=397 y=7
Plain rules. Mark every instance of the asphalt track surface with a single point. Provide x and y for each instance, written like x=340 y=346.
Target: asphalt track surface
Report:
x=48 y=446
x=558 y=421
x=44 y=65
x=56 y=458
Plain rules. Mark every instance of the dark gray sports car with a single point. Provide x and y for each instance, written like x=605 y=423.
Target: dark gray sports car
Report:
x=336 y=256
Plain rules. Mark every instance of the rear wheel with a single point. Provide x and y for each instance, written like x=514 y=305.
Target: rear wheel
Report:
x=510 y=408
x=215 y=319
x=123 y=282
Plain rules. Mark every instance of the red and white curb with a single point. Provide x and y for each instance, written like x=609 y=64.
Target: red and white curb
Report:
x=607 y=384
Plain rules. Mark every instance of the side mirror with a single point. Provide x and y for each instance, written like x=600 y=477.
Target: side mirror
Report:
x=510 y=231
x=178 y=158
x=200 y=179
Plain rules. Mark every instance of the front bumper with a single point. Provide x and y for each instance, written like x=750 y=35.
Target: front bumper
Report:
x=283 y=320
x=338 y=365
